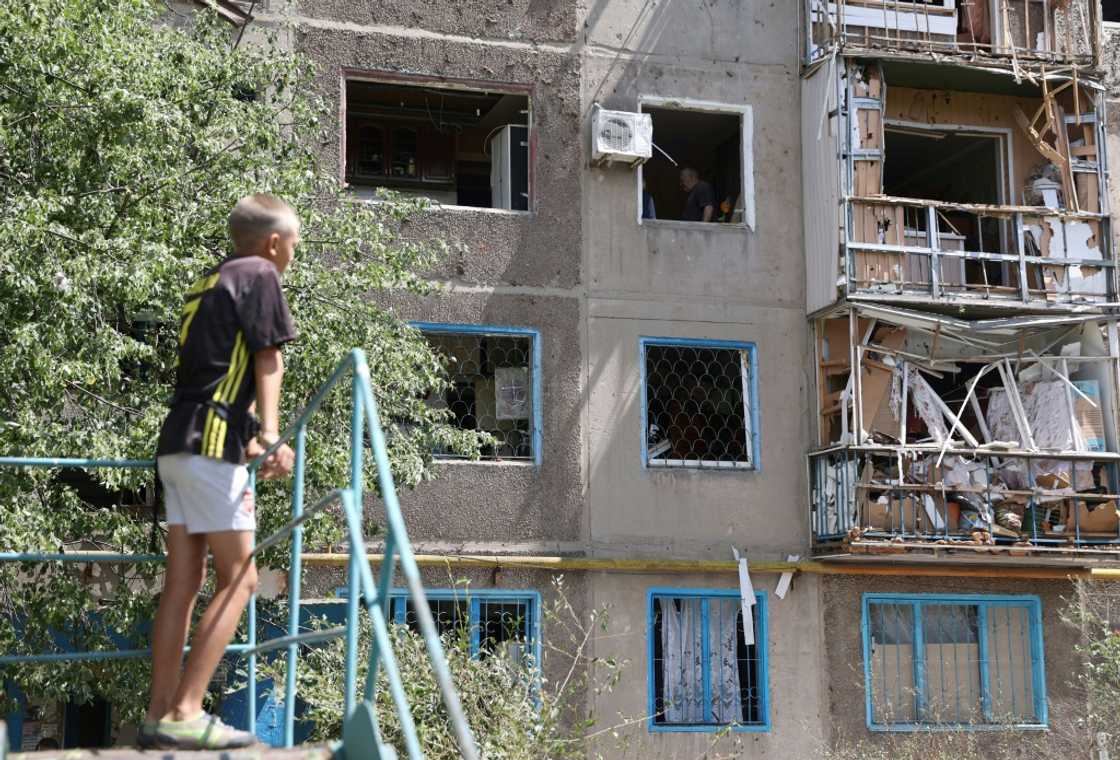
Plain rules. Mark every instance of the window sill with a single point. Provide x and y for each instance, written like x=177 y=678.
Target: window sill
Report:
x=690 y=464
x=676 y=224
x=486 y=462
x=437 y=206
x=694 y=728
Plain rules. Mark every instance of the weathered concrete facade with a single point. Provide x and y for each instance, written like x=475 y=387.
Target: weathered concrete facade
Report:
x=579 y=268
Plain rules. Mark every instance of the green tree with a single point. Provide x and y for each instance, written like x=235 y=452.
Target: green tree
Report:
x=124 y=142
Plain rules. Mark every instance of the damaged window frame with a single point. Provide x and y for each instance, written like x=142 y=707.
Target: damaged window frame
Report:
x=1054 y=254
x=762 y=670
x=1052 y=488
x=984 y=604
x=746 y=164
x=535 y=419
x=453 y=84
x=751 y=413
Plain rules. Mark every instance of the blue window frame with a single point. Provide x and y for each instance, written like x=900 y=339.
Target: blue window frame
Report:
x=702 y=675
x=497 y=620
x=699 y=403
x=945 y=661
x=495 y=374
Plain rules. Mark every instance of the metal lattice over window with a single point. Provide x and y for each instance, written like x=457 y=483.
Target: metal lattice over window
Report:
x=706 y=671
x=505 y=622
x=933 y=660
x=697 y=403
x=494 y=374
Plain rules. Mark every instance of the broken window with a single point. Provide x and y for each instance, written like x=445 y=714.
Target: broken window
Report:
x=505 y=623
x=696 y=172
x=493 y=372
x=456 y=147
x=955 y=662
x=703 y=674
x=697 y=403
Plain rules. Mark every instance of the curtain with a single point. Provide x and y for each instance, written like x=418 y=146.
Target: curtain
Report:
x=727 y=703
x=683 y=660
x=681 y=639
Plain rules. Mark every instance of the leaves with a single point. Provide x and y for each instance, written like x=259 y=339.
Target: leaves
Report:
x=124 y=143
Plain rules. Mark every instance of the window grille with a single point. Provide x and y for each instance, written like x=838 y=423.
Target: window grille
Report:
x=697 y=404
x=493 y=375
x=703 y=676
x=954 y=662
x=505 y=623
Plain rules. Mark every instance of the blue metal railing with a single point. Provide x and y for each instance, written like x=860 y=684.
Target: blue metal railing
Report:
x=361 y=734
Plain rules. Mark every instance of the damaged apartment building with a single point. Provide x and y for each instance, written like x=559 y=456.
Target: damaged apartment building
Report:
x=961 y=297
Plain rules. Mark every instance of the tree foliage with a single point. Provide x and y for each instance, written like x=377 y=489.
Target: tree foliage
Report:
x=124 y=143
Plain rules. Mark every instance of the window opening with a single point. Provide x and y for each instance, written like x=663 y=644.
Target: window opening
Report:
x=695 y=174
x=954 y=167
x=934 y=662
x=491 y=389
x=703 y=672
x=1111 y=11
x=455 y=147
x=697 y=406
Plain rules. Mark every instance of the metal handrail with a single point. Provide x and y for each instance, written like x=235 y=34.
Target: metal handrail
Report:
x=360 y=725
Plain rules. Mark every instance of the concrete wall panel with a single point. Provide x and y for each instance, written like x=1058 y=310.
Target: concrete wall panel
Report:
x=683 y=512
x=798 y=696
x=508 y=501
x=535 y=20
x=540 y=248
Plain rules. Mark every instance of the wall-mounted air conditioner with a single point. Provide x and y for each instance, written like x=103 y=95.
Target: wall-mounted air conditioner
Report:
x=622 y=136
x=509 y=168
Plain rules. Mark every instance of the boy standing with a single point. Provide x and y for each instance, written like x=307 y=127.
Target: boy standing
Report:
x=234 y=321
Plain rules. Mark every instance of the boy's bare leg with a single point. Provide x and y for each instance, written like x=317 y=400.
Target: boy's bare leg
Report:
x=184 y=575
x=236 y=576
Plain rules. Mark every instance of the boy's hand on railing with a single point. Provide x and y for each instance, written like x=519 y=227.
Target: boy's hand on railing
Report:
x=279 y=463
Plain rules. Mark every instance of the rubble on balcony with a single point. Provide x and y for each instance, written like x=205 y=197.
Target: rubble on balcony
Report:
x=988 y=435
x=1015 y=35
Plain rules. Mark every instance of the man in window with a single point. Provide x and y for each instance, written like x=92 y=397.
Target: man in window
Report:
x=701 y=203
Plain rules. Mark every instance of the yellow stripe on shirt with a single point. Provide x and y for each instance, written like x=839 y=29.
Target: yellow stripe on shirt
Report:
x=214 y=432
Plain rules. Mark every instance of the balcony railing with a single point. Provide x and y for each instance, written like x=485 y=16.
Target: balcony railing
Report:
x=1015 y=500
x=923 y=250
x=1016 y=34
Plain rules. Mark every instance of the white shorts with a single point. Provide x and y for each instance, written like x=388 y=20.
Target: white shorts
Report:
x=206 y=495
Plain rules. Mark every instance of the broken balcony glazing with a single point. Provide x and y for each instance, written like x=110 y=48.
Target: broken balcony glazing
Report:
x=1015 y=34
x=969 y=197
x=987 y=433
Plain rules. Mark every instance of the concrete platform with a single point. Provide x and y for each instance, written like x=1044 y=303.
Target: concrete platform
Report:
x=317 y=752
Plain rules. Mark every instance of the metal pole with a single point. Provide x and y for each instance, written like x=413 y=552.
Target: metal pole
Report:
x=295 y=580
x=353 y=588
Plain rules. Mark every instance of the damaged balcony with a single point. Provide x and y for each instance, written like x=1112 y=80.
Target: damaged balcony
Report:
x=956 y=437
x=955 y=198
x=1019 y=35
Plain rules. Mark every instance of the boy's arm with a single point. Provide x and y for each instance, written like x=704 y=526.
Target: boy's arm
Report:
x=268 y=370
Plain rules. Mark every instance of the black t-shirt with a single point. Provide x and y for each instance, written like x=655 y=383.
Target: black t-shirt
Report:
x=230 y=313
x=702 y=195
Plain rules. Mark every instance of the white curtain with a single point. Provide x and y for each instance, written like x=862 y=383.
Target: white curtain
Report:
x=727 y=703
x=683 y=660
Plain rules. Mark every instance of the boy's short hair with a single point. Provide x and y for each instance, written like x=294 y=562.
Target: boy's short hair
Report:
x=257 y=216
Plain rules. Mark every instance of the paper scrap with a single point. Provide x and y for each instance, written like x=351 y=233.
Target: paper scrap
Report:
x=786 y=579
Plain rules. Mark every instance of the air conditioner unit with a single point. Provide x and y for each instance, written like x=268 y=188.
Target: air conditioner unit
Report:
x=509 y=168
x=622 y=136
